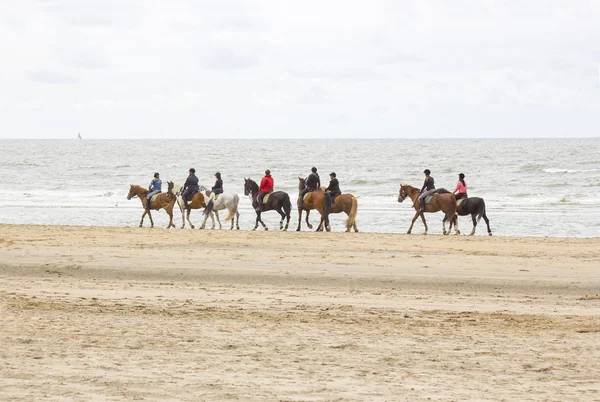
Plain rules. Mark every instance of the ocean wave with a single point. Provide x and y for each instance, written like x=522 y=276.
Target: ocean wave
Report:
x=559 y=170
x=532 y=167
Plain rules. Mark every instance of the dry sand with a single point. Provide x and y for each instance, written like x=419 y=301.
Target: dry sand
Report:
x=113 y=314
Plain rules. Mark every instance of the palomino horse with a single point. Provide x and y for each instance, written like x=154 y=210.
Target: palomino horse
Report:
x=165 y=201
x=319 y=200
x=278 y=201
x=475 y=207
x=443 y=201
x=344 y=203
x=227 y=201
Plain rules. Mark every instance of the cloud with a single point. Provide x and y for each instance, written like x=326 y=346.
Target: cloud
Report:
x=397 y=58
x=52 y=77
x=228 y=59
x=341 y=73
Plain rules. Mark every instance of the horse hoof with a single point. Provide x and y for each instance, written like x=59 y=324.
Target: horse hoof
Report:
x=445 y=233
x=140 y=226
x=297 y=230
x=408 y=232
x=490 y=234
x=254 y=229
x=310 y=226
x=266 y=228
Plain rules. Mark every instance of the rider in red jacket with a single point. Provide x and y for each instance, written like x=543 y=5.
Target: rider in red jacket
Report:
x=266 y=186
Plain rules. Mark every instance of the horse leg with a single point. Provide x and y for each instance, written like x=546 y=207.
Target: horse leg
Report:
x=182 y=214
x=487 y=222
x=307 y=222
x=280 y=212
x=424 y=222
x=474 y=217
x=299 y=219
x=212 y=219
x=237 y=220
x=444 y=224
x=189 y=211
x=411 y=224
x=144 y=214
x=170 y=212
x=151 y=221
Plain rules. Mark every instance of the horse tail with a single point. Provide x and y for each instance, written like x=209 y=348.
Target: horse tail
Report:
x=353 y=211
x=209 y=208
x=328 y=203
x=480 y=209
x=236 y=200
x=287 y=206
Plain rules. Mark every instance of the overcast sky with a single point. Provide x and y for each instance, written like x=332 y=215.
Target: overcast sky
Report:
x=293 y=69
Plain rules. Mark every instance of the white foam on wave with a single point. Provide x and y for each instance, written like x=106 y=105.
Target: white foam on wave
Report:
x=559 y=170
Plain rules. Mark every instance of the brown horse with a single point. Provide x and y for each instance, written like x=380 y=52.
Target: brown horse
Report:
x=199 y=201
x=319 y=200
x=342 y=203
x=165 y=201
x=444 y=201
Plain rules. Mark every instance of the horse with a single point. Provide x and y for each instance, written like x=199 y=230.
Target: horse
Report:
x=475 y=207
x=278 y=201
x=199 y=200
x=227 y=201
x=442 y=201
x=165 y=201
x=317 y=199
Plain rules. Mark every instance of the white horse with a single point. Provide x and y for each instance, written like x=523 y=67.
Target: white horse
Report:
x=227 y=201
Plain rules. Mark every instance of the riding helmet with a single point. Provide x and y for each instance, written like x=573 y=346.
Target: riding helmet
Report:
x=267 y=171
x=332 y=174
x=218 y=175
x=314 y=170
x=192 y=170
x=461 y=176
x=156 y=175
x=427 y=172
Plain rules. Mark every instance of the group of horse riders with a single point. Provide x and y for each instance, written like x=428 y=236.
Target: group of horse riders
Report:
x=191 y=186
x=313 y=182
x=429 y=188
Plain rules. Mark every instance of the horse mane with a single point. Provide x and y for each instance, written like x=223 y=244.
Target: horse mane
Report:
x=442 y=191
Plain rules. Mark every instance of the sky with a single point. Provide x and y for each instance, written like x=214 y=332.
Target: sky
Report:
x=299 y=69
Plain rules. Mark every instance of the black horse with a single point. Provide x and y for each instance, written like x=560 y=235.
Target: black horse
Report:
x=475 y=207
x=278 y=201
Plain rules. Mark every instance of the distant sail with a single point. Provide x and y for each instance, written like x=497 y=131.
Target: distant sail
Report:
x=79 y=135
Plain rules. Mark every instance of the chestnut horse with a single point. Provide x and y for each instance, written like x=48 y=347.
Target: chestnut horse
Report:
x=165 y=201
x=319 y=200
x=443 y=201
x=342 y=203
x=199 y=201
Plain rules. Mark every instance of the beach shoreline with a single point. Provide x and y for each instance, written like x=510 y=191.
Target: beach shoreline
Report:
x=123 y=313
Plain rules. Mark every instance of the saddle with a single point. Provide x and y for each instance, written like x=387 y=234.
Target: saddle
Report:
x=190 y=197
x=437 y=191
x=153 y=198
x=458 y=202
x=266 y=197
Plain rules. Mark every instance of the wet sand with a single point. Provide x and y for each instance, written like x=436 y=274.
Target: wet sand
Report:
x=91 y=313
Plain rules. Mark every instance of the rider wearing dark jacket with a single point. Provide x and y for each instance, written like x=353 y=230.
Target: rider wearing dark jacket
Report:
x=428 y=188
x=313 y=182
x=218 y=187
x=190 y=187
x=334 y=186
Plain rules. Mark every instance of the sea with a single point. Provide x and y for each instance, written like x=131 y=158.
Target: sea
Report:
x=532 y=187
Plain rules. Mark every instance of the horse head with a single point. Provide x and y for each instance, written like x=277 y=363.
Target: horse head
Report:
x=301 y=183
x=403 y=192
x=132 y=192
x=248 y=184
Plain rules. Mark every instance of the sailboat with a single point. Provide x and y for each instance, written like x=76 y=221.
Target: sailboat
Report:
x=78 y=135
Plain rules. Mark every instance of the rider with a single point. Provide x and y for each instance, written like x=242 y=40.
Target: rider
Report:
x=313 y=182
x=218 y=187
x=190 y=186
x=334 y=186
x=266 y=186
x=427 y=189
x=153 y=188
x=461 y=187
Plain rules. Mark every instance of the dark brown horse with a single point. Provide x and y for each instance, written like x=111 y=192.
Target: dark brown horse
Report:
x=319 y=200
x=475 y=207
x=278 y=201
x=348 y=204
x=445 y=202
x=164 y=201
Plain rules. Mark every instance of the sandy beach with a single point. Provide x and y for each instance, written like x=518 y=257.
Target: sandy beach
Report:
x=114 y=314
